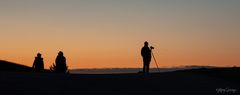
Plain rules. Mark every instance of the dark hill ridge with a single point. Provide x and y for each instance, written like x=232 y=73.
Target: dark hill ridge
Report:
x=185 y=82
x=133 y=70
x=231 y=74
x=10 y=66
x=202 y=81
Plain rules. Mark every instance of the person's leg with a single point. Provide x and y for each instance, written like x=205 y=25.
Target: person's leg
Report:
x=144 y=68
x=147 y=68
x=144 y=65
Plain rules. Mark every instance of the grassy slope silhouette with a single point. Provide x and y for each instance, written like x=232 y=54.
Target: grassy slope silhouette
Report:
x=184 y=82
x=11 y=66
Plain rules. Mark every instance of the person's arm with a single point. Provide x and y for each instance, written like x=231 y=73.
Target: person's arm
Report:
x=56 y=60
x=43 y=62
x=64 y=60
x=34 y=63
x=65 y=63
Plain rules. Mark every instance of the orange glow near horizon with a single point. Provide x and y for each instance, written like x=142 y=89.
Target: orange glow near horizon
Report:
x=104 y=34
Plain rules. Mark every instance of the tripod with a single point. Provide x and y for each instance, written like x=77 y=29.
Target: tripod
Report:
x=155 y=59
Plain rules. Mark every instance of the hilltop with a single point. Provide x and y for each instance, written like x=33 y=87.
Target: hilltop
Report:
x=183 y=82
x=11 y=66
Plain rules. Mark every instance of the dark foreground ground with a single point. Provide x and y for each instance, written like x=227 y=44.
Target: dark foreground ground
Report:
x=221 y=81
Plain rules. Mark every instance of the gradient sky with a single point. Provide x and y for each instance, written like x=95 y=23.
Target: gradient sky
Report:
x=110 y=33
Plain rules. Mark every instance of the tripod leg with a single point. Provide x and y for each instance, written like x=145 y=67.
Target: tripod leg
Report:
x=155 y=62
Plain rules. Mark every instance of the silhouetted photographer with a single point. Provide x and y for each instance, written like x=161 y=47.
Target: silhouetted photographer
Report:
x=38 y=64
x=146 y=55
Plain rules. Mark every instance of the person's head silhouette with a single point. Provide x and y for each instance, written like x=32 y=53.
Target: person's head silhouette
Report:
x=145 y=43
x=39 y=55
x=60 y=53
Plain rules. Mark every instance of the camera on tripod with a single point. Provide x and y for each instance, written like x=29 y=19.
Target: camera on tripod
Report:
x=151 y=47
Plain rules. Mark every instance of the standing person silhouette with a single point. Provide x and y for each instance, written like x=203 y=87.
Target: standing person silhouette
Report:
x=146 y=55
x=38 y=64
x=61 y=65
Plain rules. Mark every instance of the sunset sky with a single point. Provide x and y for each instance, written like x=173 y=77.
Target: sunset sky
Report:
x=111 y=33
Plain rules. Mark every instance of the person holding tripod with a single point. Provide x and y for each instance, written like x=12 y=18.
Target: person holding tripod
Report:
x=146 y=53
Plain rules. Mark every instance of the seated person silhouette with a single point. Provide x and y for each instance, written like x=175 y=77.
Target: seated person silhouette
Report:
x=38 y=64
x=61 y=65
x=146 y=55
